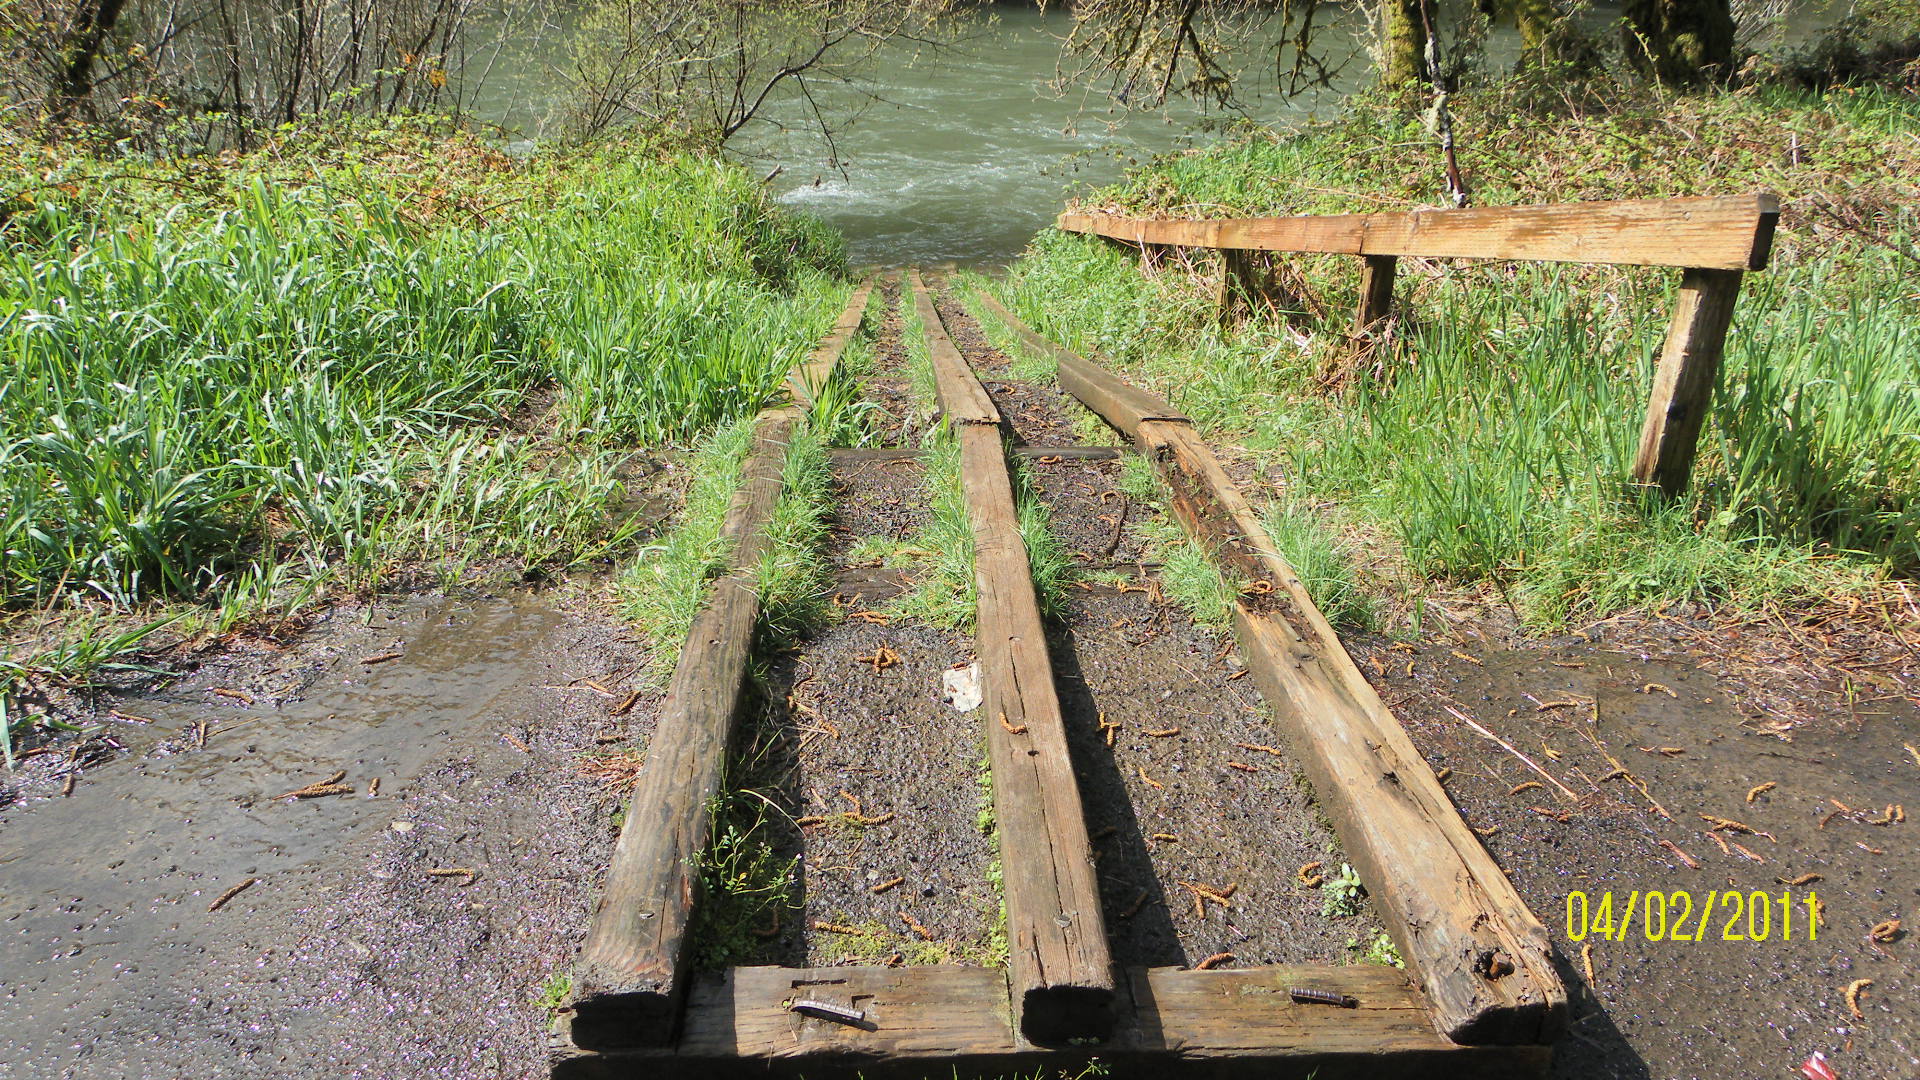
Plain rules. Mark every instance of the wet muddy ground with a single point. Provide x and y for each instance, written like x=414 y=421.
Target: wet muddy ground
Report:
x=881 y=769
x=362 y=947
x=1691 y=769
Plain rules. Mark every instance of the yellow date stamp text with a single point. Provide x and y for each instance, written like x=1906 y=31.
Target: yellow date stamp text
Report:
x=1685 y=915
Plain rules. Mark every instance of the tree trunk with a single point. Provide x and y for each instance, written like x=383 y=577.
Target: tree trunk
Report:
x=1403 y=44
x=1680 y=41
x=76 y=82
x=1535 y=20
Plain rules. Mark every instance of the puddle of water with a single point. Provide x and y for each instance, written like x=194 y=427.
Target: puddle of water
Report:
x=104 y=927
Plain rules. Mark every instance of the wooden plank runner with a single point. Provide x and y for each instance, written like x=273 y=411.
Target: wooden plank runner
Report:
x=1732 y=232
x=1683 y=381
x=961 y=396
x=806 y=379
x=1081 y=379
x=1482 y=957
x=943 y=1020
x=631 y=975
x=1056 y=935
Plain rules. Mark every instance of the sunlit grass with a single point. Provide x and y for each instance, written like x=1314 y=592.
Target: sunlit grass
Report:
x=1495 y=441
x=289 y=385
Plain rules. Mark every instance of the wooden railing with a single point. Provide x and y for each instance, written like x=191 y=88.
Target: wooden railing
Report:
x=1714 y=240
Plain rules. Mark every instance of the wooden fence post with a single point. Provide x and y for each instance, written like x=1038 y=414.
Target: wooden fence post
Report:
x=1241 y=283
x=1683 y=383
x=1376 y=291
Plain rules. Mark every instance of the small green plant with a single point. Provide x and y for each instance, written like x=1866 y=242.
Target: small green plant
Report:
x=556 y=992
x=1377 y=949
x=1342 y=894
x=747 y=886
x=983 y=782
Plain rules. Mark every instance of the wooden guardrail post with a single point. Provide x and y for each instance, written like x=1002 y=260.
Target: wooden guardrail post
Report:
x=1376 y=291
x=1683 y=382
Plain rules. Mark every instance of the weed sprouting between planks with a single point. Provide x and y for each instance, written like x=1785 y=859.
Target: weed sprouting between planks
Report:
x=945 y=593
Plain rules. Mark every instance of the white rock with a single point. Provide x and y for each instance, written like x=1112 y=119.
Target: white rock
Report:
x=960 y=687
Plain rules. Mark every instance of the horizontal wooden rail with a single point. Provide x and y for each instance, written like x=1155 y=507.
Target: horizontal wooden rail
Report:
x=947 y=1021
x=1733 y=232
x=1715 y=240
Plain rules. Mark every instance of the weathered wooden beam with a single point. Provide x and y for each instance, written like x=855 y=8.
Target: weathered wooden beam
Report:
x=961 y=397
x=1061 y=970
x=1683 y=382
x=1483 y=959
x=1211 y=1016
x=920 y=1021
x=805 y=381
x=1722 y=233
x=632 y=971
x=1376 y=292
x=1081 y=378
x=632 y=968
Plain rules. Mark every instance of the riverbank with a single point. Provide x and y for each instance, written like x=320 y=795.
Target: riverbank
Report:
x=362 y=358
x=1481 y=442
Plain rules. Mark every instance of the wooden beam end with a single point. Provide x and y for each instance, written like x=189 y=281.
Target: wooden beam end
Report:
x=1066 y=1015
x=1531 y=1023
x=1768 y=205
x=638 y=1014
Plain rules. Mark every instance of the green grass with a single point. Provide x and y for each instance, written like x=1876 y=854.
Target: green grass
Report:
x=944 y=592
x=793 y=578
x=1324 y=562
x=663 y=588
x=305 y=377
x=302 y=376
x=1495 y=444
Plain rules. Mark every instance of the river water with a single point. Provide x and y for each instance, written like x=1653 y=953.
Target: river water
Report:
x=959 y=155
